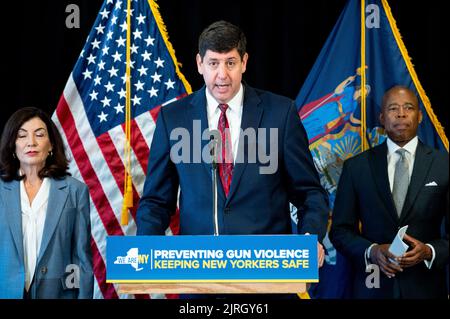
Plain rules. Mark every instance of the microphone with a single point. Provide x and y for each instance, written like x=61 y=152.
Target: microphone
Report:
x=213 y=147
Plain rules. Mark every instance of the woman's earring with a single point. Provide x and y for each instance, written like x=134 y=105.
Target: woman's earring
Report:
x=50 y=153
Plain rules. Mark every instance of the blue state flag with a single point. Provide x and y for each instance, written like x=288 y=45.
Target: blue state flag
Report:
x=340 y=101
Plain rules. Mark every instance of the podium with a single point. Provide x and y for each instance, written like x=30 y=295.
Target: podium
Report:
x=226 y=264
x=213 y=288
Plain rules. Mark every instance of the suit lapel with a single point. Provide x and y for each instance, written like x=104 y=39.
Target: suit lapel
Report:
x=56 y=202
x=13 y=213
x=422 y=164
x=378 y=164
x=251 y=117
x=198 y=112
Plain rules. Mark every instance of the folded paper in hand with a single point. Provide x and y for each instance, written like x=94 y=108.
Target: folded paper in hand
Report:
x=398 y=247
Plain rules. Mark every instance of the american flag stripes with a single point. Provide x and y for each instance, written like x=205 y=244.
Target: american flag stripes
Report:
x=91 y=113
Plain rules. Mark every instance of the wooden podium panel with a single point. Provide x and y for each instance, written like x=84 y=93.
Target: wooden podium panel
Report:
x=212 y=288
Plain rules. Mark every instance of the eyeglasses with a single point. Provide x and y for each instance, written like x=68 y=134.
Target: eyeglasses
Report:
x=395 y=108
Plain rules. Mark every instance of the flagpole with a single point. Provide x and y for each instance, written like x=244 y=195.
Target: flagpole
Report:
x=364 y=145
x=128 y=189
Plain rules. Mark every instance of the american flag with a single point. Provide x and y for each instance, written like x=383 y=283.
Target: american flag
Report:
x=91 y=114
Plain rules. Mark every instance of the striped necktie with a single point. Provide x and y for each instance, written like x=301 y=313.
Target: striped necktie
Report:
x=225 y=162
x=401 y=181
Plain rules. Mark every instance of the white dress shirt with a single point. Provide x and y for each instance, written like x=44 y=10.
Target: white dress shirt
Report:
x=233 y=113
x=33 y=220
x=393 y=157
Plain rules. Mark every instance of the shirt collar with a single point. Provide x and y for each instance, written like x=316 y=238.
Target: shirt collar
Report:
x=41 y=196
x=410 y=147
x=234 y=104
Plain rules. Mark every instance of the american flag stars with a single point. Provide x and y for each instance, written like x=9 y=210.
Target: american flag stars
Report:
x=104 y=60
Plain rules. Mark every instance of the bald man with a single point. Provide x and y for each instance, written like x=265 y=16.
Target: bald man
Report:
x=400 y=182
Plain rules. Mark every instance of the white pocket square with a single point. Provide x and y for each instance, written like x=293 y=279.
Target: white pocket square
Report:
x=433 y=183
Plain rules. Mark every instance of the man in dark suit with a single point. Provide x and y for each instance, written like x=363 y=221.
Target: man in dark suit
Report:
x=400 y=182
x=254 y=191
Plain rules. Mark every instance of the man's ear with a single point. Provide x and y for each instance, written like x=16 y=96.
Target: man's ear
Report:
x=381 y=118
x=244 y=62
x=199 y=61
x=420 y=116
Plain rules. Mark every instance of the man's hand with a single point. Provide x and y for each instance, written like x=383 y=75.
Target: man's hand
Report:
x=417 y=254
x=320 y=254
x=379 y=254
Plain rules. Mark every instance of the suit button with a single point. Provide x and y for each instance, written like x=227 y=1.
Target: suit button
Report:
x=44 y=270
x=227 y=210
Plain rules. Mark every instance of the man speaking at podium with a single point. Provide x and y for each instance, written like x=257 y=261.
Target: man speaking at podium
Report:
x=253 y=189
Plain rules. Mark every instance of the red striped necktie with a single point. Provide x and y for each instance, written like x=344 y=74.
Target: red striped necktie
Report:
x=225 y=162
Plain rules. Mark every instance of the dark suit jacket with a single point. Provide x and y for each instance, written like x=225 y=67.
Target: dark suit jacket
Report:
x=364 y=196
x=65 y=242
x=256 y=204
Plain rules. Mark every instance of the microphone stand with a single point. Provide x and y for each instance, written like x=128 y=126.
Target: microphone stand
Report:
x=214 y=183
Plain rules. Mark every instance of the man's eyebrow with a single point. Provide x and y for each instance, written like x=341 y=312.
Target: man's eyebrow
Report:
x=406 y=103
x=227 y=59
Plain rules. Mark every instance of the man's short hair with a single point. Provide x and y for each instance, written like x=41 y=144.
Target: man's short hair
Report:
x=222 y=36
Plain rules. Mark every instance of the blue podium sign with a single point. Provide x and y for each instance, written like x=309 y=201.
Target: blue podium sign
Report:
x=224 y=258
